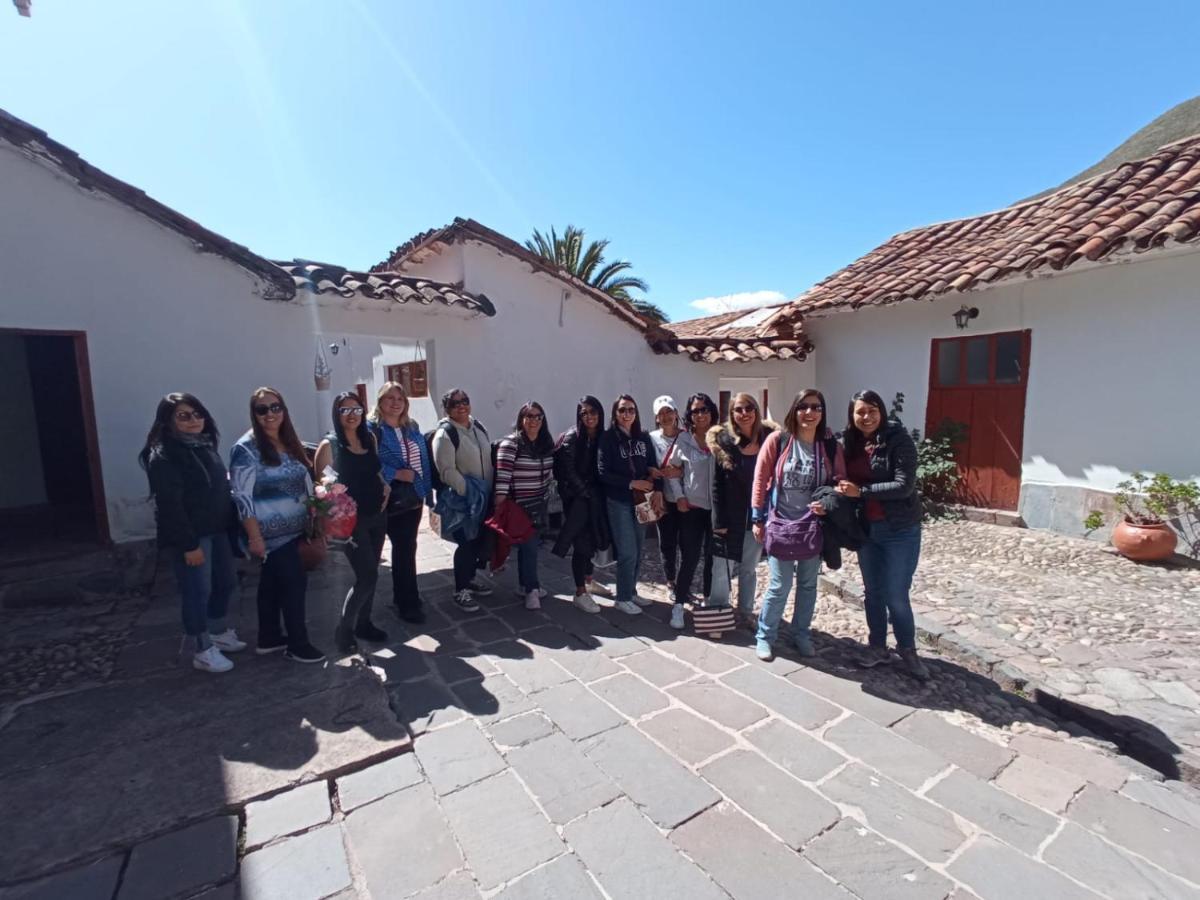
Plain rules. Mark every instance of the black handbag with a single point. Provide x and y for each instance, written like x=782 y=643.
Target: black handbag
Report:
x=403 y=497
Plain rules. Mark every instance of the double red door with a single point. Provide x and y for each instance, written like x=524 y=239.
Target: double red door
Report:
x=980 y=381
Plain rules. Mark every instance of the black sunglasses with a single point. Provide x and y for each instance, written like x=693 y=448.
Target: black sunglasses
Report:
x=346 y=411
x=186 y=415
x=461 y=401
x=262 y=409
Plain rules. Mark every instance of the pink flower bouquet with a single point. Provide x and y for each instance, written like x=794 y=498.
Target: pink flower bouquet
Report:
x=332 y=509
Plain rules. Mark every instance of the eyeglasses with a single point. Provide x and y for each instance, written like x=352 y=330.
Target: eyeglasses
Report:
x=589 y=414
x=276 y=408
x=700 y=411
x=186 y=415
x=347 y=411
x=810 y=408
x=461 y=401
x=534 y=417
x=626 y=410
x=743 y=410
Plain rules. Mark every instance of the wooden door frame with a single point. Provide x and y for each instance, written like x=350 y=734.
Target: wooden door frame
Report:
x=83 y=371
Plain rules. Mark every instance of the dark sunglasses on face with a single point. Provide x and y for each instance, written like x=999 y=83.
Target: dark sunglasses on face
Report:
x=701 y=410
x=626 y=410
x=743 y=410
x=590 y=414
x=810 y=407
x=461 y=401
x=533 y=417
x=347 y=411
x=185 y=415
x=263 y=408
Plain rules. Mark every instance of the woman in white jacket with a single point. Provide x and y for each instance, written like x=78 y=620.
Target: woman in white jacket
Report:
x=693 y=456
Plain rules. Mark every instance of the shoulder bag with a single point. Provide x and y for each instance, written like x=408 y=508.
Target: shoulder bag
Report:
x=793 y=539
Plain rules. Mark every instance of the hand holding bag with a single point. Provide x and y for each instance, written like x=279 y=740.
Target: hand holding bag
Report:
x=403 y=496
x=643 y=508
x=793 y=539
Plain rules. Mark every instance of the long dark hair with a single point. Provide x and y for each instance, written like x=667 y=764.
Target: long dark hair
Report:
x=854 y=440
x=635 y=430
x=543 y=444
x=164 y=424
x=587 y=402
x=339 y=433
x=791 y=421
x=287 y=432
x=713 y=412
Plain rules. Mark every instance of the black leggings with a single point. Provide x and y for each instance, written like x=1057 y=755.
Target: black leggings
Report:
x=282 y=585
x=402 y=532
x=695 y=540
x=581 y=568
x=363 y=552
x=668 y=541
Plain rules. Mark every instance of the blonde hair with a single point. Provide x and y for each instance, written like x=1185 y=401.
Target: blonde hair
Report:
x=731 y=426
x=376 y=417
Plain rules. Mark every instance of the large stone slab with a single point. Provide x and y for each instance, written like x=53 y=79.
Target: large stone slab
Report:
x=717 y=702
x=584 y=662
x=564 y=781
x=996 y=872
x=402 y=843
x=425 y=704
x=492 y=699
x=1176 y=799
x=1090 y=765
x=630 y=695
x=883 y=749
x=704 y=655
x=664 y=789
x=531 y=673
x=520 y=729
x=1156 y=836
x=1039 y=783
x=378 y=781
x=1013 y=821
x=1109 y=870
x=872 y=867
x=501 y=831
x=955 y=743
x=793 y=811
x=560 y=879
x=288 y=813
x=577 y=711
x=686 y=735
x=851 y=694
x=310 y=866
x=747 y=861
x=632 y=861
x=782 y=697
x=801 y=754
x=896 y=813
x=182 y=861
x=658 y=668
x=96 y=881
x=456 y=756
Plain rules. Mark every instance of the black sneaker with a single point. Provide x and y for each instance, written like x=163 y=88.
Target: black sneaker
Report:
x=274 y=645
x=913 y=665
x=869 y=657
x=412 y=616
x=370 y=632
x=343 y=639
x=304 y=654
x=482 y=588
x=464 y=601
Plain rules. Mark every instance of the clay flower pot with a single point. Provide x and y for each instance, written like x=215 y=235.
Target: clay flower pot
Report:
x=1144 y=543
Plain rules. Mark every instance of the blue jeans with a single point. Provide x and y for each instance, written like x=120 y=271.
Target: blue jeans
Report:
x=888 y=560
x=206 y=589
x=783 y=571
x=527 y=563
x=628 y=535
x=747 y=576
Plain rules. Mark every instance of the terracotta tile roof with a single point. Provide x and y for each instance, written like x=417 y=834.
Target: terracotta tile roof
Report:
x=1139 y=206
x=414 y=248
x=35 y=144
x=713 y=339
x=321 y=278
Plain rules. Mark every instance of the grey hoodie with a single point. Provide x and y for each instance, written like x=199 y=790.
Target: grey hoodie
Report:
x=697 y=461
x=473 y=457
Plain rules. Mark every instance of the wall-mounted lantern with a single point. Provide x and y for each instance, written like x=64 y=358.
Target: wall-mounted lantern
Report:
x=964 y=315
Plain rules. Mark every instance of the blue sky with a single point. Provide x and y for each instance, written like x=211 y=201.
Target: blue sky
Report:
x=722 y=148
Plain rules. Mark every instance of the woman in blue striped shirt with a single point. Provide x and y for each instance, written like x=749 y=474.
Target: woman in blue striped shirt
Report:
x=524 y=468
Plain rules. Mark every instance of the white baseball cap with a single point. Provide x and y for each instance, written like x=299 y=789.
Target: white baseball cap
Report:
x=664 y=402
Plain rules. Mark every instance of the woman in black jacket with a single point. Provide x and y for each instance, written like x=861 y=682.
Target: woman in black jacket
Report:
x=881 y=468
x=623 y=461
x=735 y=447
x=585 y=527
x=194 y=512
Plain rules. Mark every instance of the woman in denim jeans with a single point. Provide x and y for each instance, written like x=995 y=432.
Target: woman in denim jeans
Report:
x=881 y=464
x=194 y=513
x=524 y=469
x=792 y=464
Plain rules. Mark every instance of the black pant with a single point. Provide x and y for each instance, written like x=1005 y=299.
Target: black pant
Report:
x=668 y=541
x=466 y=555
x=581 y=568
x=281 y=588
x=402 y=531
x=363 y=552
x=695 y=539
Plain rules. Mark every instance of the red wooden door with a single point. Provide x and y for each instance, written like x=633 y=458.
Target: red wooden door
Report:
x=981 y=381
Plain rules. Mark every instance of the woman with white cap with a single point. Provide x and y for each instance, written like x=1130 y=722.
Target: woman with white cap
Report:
x=665 y=438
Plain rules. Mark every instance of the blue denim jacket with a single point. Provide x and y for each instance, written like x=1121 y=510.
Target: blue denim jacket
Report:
x=462 y=517
x=392 y=458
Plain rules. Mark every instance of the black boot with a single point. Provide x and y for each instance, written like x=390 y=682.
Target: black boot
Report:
x=343 y=639
x=370 y=632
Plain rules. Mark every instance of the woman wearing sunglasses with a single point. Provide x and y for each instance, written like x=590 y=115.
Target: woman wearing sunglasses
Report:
x=194 y=514
x=694 y=458
x=585 y=525
x=271 y=484
x=352 y=452
x=524 y=469
x=793 y=463
x=624 y=459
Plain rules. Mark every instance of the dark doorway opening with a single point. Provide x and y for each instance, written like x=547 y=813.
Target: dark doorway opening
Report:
x=52 y=490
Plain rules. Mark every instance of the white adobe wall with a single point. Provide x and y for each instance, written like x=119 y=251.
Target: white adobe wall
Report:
x=1113 y=352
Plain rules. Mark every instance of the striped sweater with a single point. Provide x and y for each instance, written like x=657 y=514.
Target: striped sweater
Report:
x=525 y=478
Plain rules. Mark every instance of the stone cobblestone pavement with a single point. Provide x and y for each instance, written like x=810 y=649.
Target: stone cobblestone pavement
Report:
x=558 y=754
x=1113 y=642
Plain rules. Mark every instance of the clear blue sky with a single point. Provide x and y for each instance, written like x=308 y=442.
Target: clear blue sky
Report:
x=723 y=148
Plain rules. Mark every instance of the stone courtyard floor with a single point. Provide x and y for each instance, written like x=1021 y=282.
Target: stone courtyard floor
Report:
x=554 y=754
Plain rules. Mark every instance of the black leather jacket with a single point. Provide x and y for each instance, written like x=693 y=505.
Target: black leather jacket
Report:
x=894 y=477
x=575 y=465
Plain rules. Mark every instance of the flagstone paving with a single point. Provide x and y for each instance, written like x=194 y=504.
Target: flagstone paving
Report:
x=1112 y=643
x=677 y=767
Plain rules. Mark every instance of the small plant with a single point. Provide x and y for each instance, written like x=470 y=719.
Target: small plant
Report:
x=938 y=476
x=1157 y=500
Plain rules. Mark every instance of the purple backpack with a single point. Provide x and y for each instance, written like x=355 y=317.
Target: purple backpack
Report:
x=793 y=539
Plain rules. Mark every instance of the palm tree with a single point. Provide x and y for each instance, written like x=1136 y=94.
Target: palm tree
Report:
x=586 y=262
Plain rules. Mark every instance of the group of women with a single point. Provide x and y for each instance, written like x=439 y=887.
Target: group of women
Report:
x=719 y=492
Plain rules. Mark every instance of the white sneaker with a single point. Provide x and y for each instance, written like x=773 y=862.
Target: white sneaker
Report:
x=628 y=607
x=586 y=603
x=598 y=589
x=211 y=660
x=227 y=641
x=642 y=601
x=533 y=600
x=541 y=592
x=677 y=621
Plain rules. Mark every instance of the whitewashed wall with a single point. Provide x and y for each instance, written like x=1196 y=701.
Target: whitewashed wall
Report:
x=1113 y=357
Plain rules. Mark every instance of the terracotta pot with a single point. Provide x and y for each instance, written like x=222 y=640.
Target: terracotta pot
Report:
x=1144 y=543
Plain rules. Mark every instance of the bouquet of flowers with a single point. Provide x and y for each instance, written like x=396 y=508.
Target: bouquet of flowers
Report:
x=331 y=509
